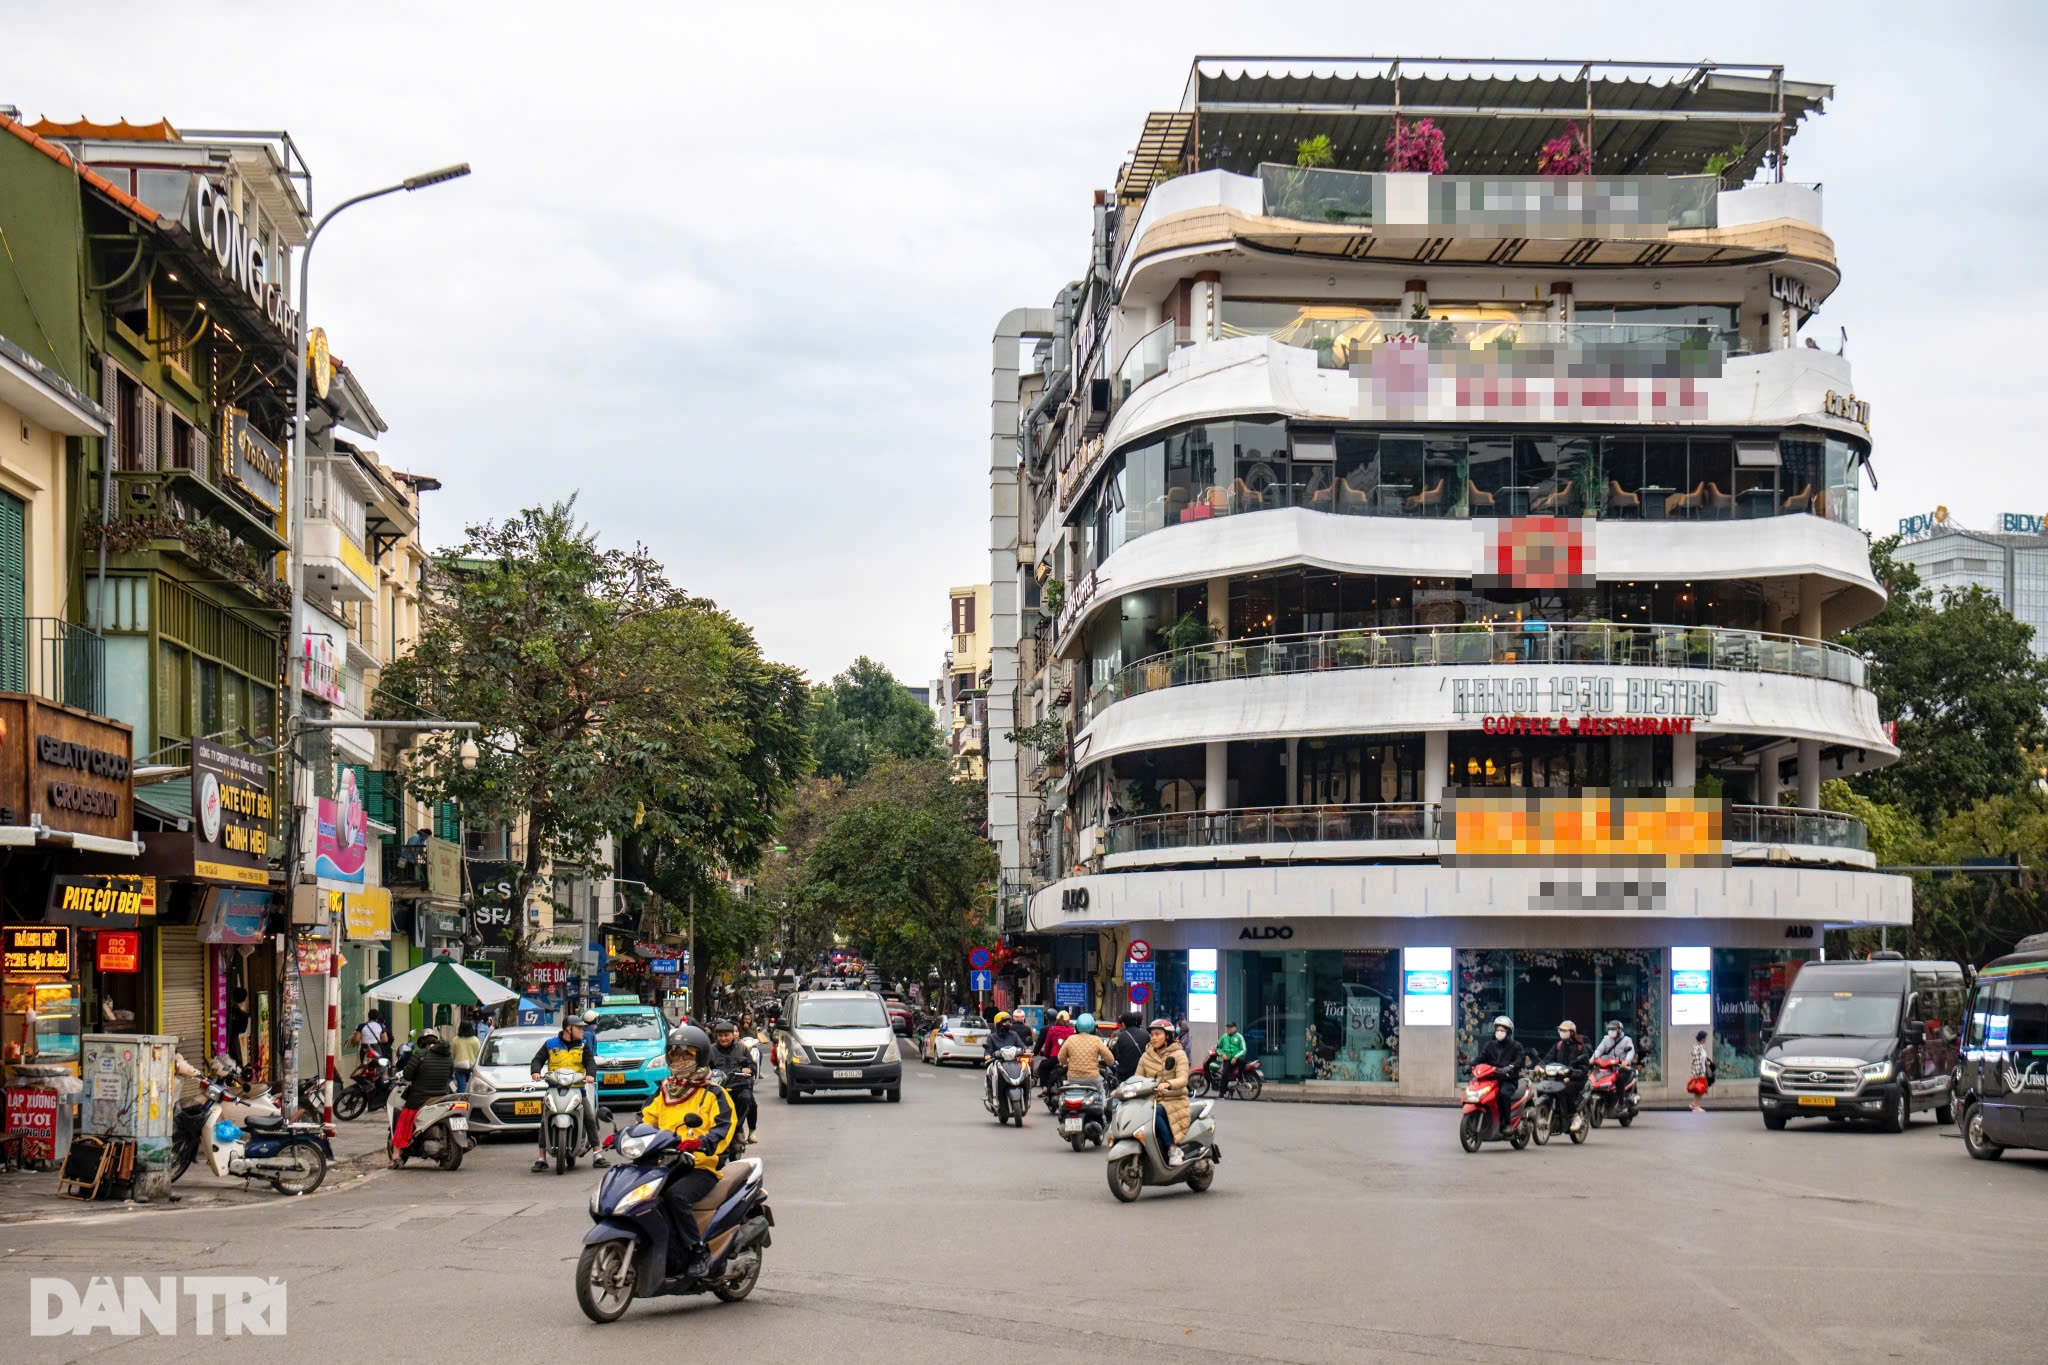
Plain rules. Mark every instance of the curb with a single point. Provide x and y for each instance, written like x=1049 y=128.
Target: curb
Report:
x=1277 y=1095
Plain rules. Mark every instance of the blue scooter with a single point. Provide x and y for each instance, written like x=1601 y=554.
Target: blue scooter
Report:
x=627 y=1254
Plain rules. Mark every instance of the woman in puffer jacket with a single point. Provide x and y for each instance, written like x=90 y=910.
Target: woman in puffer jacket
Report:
x=1165 y=1062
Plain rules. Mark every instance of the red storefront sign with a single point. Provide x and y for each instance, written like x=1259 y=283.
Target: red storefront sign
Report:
x=33 y=1115
x=547 y=973
x=1587 y=725
x=118 y=950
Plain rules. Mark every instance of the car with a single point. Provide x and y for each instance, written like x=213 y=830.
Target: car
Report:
x=899 y=1015
x=504 y=1094
x=1876 y=1039
x=955 y=1038
x=836 y=1040
x=2001 y=1095
x=630 y=1043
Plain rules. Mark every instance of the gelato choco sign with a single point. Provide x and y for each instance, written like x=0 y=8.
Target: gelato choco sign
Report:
x=65 y=770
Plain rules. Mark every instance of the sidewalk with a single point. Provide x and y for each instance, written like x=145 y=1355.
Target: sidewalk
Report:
x=31 y=1196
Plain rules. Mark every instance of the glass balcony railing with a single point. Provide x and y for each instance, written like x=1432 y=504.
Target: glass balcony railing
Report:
x=1494 y=205
x=1791 y=826
x=1146 y=359
x=54 y=660
x=1503 y=642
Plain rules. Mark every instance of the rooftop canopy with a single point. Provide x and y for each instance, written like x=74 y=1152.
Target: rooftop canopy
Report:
x=1643 y=118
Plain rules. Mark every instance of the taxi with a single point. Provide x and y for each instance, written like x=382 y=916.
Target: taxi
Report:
x=629 y=1039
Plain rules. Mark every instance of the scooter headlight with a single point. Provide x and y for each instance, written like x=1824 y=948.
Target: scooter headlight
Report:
x=633 y=1146
x=640 y=1196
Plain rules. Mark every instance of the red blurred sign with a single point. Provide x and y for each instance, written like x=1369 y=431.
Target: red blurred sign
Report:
x=1141 y=951
x=33 y=1115
x=118 y=950
x=547 y=973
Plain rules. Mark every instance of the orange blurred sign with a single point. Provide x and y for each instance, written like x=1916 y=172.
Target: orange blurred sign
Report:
x=1587 y=827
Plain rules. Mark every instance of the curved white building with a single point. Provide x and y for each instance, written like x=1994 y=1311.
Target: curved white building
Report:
x=1413 y=592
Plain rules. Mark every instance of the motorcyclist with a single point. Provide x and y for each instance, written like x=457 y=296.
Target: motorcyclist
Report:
x=1084 y=1054
x=1570 y=1049
x=1130 y=1044
x=427 y=1076
x=736 y=1060
x=1230 y=1051
x=568 y=1051
x=1056 y=1035
x=1622 y=1048
x=1166 y=1062
x=1009 y=1031
x=687 y=1090
x=1505 y=1056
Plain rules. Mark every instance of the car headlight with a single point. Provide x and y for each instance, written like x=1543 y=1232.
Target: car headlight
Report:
x=639 y=1197
x=888 y=1053
x=1876 y=1071
x=1770 y=1069
x=479 y=1086
x=796 y=1051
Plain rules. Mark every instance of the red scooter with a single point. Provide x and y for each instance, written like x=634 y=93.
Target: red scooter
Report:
x=1608 y=1097
x=1249 y=1083
x=1482 y=1121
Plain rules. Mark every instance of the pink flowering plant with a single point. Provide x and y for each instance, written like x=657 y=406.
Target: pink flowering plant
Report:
x=1417 y=146
x=1569 y=153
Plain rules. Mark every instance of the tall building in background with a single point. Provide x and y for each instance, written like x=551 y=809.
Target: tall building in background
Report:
x=2010 y=563
x=966 y=678
x=1416 y=543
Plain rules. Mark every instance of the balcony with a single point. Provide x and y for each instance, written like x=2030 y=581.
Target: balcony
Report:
x=1572 y=208
x=1796 y=828
x=54 y=660
x=1507 y=642
x=335 y=560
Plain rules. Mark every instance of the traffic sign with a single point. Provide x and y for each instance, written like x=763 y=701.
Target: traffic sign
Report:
x=1069 y=993
x=1141 y=951
x=1147 y=972
x=977 y=958
x=1140 y=993
x=980 y=981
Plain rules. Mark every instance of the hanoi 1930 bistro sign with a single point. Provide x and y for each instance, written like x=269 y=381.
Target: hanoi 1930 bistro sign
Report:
x=65 y=770
x=1574 y=695
x=231 y=813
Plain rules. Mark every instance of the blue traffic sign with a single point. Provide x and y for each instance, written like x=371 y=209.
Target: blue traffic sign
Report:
x=1147 y=972
x=665 y=966
x=980 y=981
x=1069 y=993
x=1140 y=993
x=977 y=958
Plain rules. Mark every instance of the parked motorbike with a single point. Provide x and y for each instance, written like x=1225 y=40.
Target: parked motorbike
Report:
x=1007 y=1089
x=1607 y=1097
x=1083 y=1110
x=369 y=1087
x=1134 y=1157
x=440 y=1130
x=1249 y=1083
x=564 y=1134
x=1483 y=1120
x=293 y=1157
x=1552 y=1114
x=239 y=1102
x=627 y=1254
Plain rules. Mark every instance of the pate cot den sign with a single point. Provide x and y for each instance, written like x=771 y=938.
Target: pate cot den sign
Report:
x=231 y=812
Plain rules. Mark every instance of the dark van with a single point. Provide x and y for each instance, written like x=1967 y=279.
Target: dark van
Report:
x=1864 y=1040
x=2002 y=1080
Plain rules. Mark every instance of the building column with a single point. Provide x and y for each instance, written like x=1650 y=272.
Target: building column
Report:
x=1414 y=295
x=1809 y=773
x=1293 y=771
x=1809 y=607
x=1684 y=760
x=1216 y=779
x=1436 y=763
x=1206 y=304
x=1219 y=607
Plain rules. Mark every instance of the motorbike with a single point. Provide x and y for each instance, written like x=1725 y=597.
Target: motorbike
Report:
x=1134 y=1157
x=1607 y=1097
x=293 y=1157
x=626 y=1255
x=1007 y=1092
x=1483 y=1120
x=440 y=1130
x=738 y=1146
x=239 y=1101
x=1551 y=1114
x=369 y=1087
x=1083 y=1110
x=564 y=1134
x=1249 y=1084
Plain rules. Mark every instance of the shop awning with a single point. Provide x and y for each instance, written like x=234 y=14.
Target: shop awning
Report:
x=41 y=836
x=168 y=801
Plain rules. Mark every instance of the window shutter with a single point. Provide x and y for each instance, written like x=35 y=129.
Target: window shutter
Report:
x=166 y=439
x=110 y=399
x=145 y=438
x=381 y=798
x=448 y=822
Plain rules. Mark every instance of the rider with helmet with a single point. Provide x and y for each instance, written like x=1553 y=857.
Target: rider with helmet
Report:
x=736 y=1060
x=1504 y=1055
x=1571 y=1051
x=687 y=1092
x=1049 y=1045
x=1167 y=1063
x=1009 y=1031
x=1085 y=1054
x=1622 y=1048
x=568 y=1051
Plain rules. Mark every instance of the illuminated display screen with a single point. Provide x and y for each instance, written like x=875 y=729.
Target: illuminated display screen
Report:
x=1691 y=983
x=1428 y=983
x=1585 y=827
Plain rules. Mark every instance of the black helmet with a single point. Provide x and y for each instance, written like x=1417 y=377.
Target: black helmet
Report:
x=692 y=1038
x=719 y=1026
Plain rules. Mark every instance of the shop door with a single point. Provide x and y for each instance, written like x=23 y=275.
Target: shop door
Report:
x=181 y=958
x=13 y=595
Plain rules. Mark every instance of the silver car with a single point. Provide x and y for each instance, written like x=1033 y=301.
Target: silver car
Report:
x=504 y=1094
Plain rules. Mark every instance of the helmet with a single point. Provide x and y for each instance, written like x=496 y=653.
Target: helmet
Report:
x=1565 y=1026
x=688 y=1037
x=1063 y=1017
x=1166 y=1024
x=589 y=1016
x=1001 y=1015
x=1085 y=1024
x=724 y=1026
x=428 y=1035
x=1614 y=1026
x=1502 y=1021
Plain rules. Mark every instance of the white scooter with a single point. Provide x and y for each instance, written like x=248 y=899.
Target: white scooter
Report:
x=1007 y=1093
x=1135 y=1158
x=564 y=1134
x=293 y=1157
x=440 y=1129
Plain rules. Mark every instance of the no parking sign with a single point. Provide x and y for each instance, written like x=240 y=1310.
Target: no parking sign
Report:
x=1141 y=994
x=977 y=958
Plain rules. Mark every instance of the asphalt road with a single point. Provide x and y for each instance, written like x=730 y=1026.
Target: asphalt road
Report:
x=1332 y=1233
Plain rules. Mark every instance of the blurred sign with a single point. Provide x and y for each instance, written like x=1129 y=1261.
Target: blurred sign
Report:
x=664 y=966
x=1498 y=827
x=1069 y=993
x=118 y=950
x=1147 y=972
x=30 y=949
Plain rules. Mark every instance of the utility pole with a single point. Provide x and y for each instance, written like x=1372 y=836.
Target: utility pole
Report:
x=690 y=962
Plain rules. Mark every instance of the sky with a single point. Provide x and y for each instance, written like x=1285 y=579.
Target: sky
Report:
x=728 y=273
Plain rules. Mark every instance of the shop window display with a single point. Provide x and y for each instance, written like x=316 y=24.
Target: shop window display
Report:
x=1354 y=1016
x=1539 y=987
x=1749 y=989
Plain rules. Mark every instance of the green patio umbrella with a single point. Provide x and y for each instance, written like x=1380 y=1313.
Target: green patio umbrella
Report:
x=442 y=981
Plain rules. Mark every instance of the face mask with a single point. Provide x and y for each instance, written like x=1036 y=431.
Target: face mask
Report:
x=1500 y=1035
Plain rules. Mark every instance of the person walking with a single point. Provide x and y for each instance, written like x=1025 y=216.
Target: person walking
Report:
x=1702 y=1070
x=463 y=1052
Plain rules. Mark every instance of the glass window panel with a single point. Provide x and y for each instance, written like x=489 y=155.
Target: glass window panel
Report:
x=1711 y=461
x=1358 y=474
x=1489 y=468
x=1664 y=482
x=1401 y=469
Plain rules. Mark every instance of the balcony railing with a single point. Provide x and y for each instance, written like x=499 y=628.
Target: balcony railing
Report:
x=1502 y=642
x=1557 y=207
x=55 y=660
x=1786 y=825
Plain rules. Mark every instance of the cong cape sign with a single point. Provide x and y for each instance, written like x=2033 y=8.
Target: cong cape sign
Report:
x=210 y=213
x=65 y=770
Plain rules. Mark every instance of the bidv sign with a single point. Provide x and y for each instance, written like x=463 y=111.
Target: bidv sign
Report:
x=2021 y=523
x=240 y=254
x=1922 y=523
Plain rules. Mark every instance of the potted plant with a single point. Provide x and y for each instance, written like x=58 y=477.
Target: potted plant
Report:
x=1326 y=353
x=1699 y=644
x=1416 y=147
x=1569 y=153
x=1475 y=643
x=1183 y=637
x=1351 y=649
x=1600 y=641
x=1054 y=596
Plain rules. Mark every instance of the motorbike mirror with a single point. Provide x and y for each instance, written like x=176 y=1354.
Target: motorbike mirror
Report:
x=604 y=1114
x=693 y=1121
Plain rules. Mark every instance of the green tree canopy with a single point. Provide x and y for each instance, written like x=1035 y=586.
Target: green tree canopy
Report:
x=865 y=716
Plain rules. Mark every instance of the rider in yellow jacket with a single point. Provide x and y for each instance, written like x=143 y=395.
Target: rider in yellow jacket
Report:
x=686 y=1093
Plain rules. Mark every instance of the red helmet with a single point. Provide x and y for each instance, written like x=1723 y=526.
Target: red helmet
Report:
x=1166 y=1024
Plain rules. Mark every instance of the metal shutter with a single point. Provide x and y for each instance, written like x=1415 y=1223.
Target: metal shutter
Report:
x=110 y=399
x=13 y=595
x=166 y=438
x=145 y=437
x=181 y=1007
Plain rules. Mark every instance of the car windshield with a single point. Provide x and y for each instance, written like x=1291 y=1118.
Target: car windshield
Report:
x=627 y=1028
x=510 y=1049
x=841 y=1014
x=966 y=1021
x=1839 y=1014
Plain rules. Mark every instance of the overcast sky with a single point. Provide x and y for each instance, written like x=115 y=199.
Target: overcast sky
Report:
x=729 y=271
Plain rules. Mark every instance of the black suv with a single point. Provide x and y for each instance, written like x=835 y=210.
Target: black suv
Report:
x=1865 y=1040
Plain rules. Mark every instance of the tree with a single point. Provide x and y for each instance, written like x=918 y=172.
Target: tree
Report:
x=612 y=702
x=864 y=716
x=1960 y=679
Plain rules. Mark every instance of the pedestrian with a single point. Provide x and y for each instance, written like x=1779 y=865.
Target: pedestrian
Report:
x=238 y=1026
x=372 y=1039
x=1702 y=1070
x=464 y=1051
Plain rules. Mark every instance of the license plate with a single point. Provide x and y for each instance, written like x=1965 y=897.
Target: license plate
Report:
x=614 y=1078
x=970 y=1037
x=1070 y=1127
x=459 y=1122
x=846 y=1075
x=1817 y=1101
x=525 y=1108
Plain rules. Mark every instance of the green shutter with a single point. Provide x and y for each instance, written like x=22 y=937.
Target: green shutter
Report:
x=13 y=595
x=381 y=794
x=448 y=822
